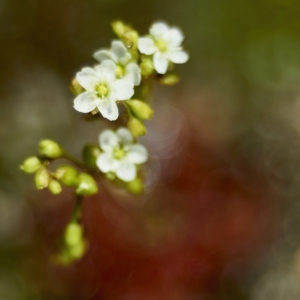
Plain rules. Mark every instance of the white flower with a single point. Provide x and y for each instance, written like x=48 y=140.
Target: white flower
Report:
x=121 y=57
x=102 y=90
x=164 y=43
x=119 y=155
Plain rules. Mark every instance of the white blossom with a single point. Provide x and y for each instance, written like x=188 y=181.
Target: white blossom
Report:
x=120 y=155
x=119 y=54
x=164 y=43
x=102 y=90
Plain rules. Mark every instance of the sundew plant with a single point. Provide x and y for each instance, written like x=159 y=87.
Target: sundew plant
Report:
x=123 y=75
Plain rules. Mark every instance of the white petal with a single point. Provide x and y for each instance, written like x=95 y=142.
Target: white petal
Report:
x=121 y=89
x=178 y=57
x=160 y=63
x=133 y=74
x=146 y=45
x=120 y=52
x=86 y=102
x=106 y=163
x=175 y=37
x=108 y=139
x=103 y=55
x=159 y=29
x=125 y=135
x=137 y=154
x=108 y=109
x=87 y=78
x=106 y=72
x=126 y=171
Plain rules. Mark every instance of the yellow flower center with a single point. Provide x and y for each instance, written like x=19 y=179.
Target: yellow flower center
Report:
x=102 y=90
x=120 y=71
x=161 y=45
x=119 y=153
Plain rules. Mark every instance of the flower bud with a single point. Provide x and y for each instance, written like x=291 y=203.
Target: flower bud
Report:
x=76 y=88
x=136 y=186
x=87 y=185
x=73 y=234
x=90 y=154
x=31 y=165
x=67 y=175
x=169 y=79
x=131 y=38
x=147 y=67
x=50 y=149
x=140 y=109
x=42 y=178
x=136 y=127
x=77 y=251
x=54 y=187
x=119 y=28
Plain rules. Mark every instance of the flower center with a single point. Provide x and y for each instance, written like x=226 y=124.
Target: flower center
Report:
x=119 y=153
x=120 y=71
x=161 y=45
x=102 y=90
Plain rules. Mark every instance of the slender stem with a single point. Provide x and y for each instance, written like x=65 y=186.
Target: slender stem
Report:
x=128 y=109
x=74 y=160
x=76 y=214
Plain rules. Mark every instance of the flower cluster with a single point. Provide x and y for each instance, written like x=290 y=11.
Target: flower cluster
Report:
x=128 y=63
x=120 y=67
x=123 y=75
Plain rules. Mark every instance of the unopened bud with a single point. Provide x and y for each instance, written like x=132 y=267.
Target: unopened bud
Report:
x=131 y=38
x=76 y=88
x=87 y=186
x=136 y=186
x=31 y=165
x=42 y=178
x=67 y=175
x=147 y=67
x=119 y=28
x=140 y=109
x=136 y=127
x=90 y=154
x=50 y=149
x=73 y=234
x=169 y=79
x=54 y=187
x=77 y=251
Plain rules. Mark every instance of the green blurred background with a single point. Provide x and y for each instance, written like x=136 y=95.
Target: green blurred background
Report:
x=239 y=96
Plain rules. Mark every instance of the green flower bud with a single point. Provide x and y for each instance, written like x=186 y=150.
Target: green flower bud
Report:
x=50 y=149
x=147 y=67
x=76 y=88
x=42 y=178
x=110 y=176
x=130 y=38
x=136 y=127
x=73 y=234
x=119 y=28
x=90 y=154
x=87 y=185
x=31 y=165
x=54 y=187
x=77 y=251
x=67 y=175
x=136 y=186
x=169 y=79
x=140 y=109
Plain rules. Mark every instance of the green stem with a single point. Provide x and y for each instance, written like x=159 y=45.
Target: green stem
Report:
x=76 y=214
x=130 y=114
x=74 y=160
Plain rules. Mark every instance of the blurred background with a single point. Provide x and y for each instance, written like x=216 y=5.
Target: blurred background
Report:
x=220 y=218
